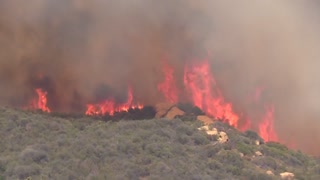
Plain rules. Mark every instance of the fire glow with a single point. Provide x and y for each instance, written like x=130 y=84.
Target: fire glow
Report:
x=206 y=95
x=168 y=87
x=109 y=106
x=266 y=127
x=202 y=91
x=41 y=101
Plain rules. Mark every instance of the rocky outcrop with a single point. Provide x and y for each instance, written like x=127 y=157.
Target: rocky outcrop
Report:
x=287 y=175
x=204 y=128
x=168 y=111
x=174 y=112
x=162 y=109
x=257 y=142
x=205 y=119
x=270 y=173
x=258 y=153
x=223 y=137
x=171 y=111
x=212 y=132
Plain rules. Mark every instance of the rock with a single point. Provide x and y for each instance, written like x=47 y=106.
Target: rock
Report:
x=207 y=120
x=287 y=175
x=257 y=142
x=241 y=154
x=162 y=109
x=174 y=111
x=258 y=153
x=223 y=137
x=270 y=173
x=206 y=128
x=212 y=132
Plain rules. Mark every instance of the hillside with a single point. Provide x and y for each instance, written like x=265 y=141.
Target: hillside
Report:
x=47 y=146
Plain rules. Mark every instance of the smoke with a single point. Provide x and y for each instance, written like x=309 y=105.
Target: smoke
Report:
x=275 y=45
x=81 y=51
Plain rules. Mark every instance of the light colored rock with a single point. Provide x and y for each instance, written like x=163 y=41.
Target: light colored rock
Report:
x=212 y=132
x=175 y=111
x=223 y=137
x=287 y=175
x=205 y=119
x=205 y=128
x=241 y=154
x=258 y=153
x=162 y=109
x=257 y=142
x=270 y=173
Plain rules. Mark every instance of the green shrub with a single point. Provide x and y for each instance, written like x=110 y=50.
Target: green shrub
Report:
x=182 y=138
x=2 y=166
x=23 y=172
x=159 y=150
x=252 y=135
x=88 y=148
x=276 y=145
x=212 y=150
x=200 y=139
x=245 y=149
x=215 y=165
x=266 y=163
x=256 y=175
x=37 y=156
x=230 y=157
x=185 y=129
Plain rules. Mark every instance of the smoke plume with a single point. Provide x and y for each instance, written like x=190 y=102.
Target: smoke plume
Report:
x=81 y=51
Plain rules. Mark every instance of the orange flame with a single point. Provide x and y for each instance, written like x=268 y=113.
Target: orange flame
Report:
x=206 y=95
x=41 y=102
x=266 y=127
x=168 y=87
x=110 y=107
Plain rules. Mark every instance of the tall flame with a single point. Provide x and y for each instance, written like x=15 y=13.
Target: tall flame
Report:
x=266 y=127
x=168 y=87
x=201 y=87
x=41 y=101
x=206 y=95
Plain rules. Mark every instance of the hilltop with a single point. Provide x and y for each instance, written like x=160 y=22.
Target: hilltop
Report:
x=37 y=145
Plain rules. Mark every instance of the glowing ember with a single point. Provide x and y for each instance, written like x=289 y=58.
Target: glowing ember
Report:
x=41 y=102
x=110 y=106
x=206 y=95
x=168 y=87
x=266 y=129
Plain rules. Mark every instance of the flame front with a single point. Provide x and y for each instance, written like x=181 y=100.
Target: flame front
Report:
x=205 y=94
x=41 y=101
x=168 y=87
x=109 y=106
x=266 y=127
x=202 y=91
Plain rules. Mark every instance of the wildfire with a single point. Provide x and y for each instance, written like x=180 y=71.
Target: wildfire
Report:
x=203 y=92
x=110 y=106
x=266 y=127
x=168 y=87
x=41 y=101
x=206 y=95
